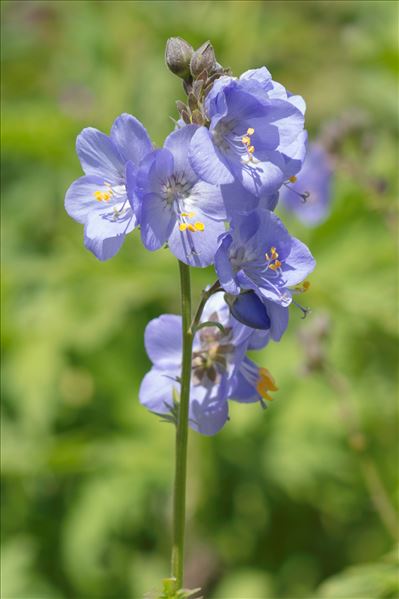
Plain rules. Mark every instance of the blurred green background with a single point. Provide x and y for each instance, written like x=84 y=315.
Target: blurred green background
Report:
x=293 y=502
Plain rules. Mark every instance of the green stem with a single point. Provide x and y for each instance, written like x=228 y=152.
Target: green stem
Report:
x=205 y=296
x=179 y=500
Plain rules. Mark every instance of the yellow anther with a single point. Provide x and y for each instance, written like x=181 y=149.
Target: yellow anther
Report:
x=102 y=196
x=199 y=226
x=251 y=149
x=191 y=228
x=265 y=383
x=276 y=264
x=302 y=287
x=292 y=179
x=246 y=140
x=273 y=254
x=191 y=214
x=250 y=131
x=182 y=227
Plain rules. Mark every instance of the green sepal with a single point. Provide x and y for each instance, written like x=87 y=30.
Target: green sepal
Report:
x=211 y=323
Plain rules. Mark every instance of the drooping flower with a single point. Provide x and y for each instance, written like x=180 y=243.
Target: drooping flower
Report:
x=255 y=134
x=267 y=317
x=308 y=195
x=216 y=354
x=175 y=205
x=258 y=253
x=252 y=383
x=99 y=200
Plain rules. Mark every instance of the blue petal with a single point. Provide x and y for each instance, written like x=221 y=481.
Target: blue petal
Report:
x=199 y=248
x=178 y=143
x=131 y=138
x=131 y=189
x=261 y=75
x=243 y=391
x=269 y=201
x=299 y=263
x=104 y=235
x=99 y=156
x=242 y=104
x=207 y=161
x=208 y=412
x=163 y=341
x=248 y=309
x=223 y=266
x=80 y=201
x=158 y=167
x=247 y=228
x=259 y=339
x=209 y=198
x=156 y=221
x=238 y=200
x=261 y=177
x=279 y=316
x=156 y=390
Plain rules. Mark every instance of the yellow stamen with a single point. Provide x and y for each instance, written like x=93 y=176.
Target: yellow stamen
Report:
x=251 y=149
x=265 y=383
x=182 y=227
x=102 y=195
x=188 y=214
x=302 y=287
x=250 y=131
x=292 y=179
x=199 y=226
x=276 y=264
x=246 y=140
x=191 y=228
x=274 y=253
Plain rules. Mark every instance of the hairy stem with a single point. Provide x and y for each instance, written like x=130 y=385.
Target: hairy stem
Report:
x=179 y=500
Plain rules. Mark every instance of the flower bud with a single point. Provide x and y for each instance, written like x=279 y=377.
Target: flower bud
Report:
x=178 y=54
x=203 y=59
x=248 y=309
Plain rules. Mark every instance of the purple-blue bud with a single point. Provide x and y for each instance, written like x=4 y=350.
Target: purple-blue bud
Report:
x=248 y=309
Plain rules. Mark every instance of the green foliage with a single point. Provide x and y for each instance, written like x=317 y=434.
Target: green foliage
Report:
x=278 y=503
x=378 y=581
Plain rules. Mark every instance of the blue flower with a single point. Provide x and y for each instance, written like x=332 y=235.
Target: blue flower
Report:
x=175 y=205
x=255 y=134
x=314 y=180
x=268 y=318
x=99 y=200
x=216 y=355
x=252 y=383
x=258 y=253
x=239 y=201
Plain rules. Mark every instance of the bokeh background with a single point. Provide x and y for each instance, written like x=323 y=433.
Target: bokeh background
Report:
x=297 y=501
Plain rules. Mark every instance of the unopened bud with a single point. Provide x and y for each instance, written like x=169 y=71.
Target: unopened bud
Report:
x=203 y=59
x=178 y=54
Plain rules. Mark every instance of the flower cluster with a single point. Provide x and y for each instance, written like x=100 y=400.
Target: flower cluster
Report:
x=209 y=195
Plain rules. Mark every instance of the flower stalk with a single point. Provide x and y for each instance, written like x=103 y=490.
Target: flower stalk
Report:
x=179 y=499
